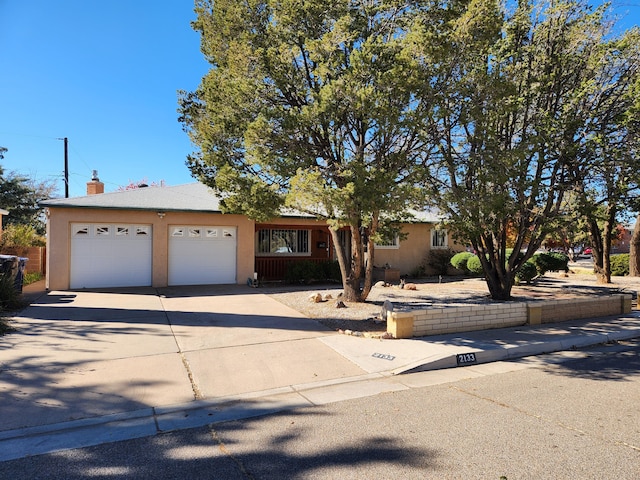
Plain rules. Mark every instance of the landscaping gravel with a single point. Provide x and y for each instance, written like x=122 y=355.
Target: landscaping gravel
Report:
x=365 y=316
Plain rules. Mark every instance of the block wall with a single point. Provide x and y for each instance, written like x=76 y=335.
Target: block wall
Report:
x=467 y=318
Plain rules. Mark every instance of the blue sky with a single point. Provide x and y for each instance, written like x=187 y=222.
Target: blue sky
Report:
x=105 y=75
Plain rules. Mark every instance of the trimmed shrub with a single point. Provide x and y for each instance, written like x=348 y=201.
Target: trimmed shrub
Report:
x=459 y=261
x=620 y=264
x=527 y=272
x=331 y=271
x=440 y=260
x=551 y=262
x=302 y=272
x=474 y=266
x=307 y=271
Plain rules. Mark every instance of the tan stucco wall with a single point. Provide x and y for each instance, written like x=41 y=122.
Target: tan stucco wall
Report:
x=413 y=250
x=59 y=239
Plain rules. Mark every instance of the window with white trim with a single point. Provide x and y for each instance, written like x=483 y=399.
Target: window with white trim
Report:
x=393 y=243
x=283 y=242
x=439 y=238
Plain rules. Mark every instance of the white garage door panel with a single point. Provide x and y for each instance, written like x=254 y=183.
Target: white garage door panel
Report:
x=105 y=255
x=202 y=255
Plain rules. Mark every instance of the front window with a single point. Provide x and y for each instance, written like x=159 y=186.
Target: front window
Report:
x=283 y=242
x=438 y=238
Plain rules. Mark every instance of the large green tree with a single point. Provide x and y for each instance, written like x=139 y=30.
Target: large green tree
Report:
x=514 y=103
x=314 y=105
x=608 y=178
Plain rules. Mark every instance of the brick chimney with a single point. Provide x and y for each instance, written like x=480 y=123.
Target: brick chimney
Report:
x=95 y=186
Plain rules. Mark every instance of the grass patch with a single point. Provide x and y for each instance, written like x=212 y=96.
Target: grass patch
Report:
x=32 y=277
x=582 y=271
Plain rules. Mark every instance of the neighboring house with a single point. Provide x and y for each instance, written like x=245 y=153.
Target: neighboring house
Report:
x=622 y=244
x=161 y=236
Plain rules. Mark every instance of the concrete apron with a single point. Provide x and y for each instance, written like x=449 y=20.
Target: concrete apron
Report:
x=83 y=354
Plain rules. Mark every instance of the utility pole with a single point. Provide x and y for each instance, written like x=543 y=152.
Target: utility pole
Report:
x=66 y=167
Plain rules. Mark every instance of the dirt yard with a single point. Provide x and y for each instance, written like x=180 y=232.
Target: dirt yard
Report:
x=365 y=317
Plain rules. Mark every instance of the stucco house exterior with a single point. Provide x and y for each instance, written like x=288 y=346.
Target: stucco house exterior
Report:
x=164 y=236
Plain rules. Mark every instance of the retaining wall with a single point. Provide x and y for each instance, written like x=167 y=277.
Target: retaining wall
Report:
x=465 y=318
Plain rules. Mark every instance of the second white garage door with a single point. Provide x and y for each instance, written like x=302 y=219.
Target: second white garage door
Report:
x=202 y=255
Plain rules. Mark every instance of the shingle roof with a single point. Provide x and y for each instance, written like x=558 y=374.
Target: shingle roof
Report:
x=191 y=197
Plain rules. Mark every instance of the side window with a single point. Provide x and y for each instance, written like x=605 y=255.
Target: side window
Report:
x=438 y=238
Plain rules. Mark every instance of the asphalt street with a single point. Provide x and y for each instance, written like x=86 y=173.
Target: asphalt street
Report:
x=573 y=415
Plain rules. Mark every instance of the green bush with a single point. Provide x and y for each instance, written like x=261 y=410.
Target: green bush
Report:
x=527 y=272
x=459 y=261
x=551 y=262
x=474 y=265
x=31 y=277
x=21 y=236
x=331 y=271
x=439 y=260
x=620 y=264
x=307 y=271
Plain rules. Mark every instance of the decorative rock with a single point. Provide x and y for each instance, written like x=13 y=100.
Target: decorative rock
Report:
x=340 y=304
x=387 y=336
x=316 y=298
x=348 y=332
x=380 y=284
x=387 y=306
x=327 y=297
x=357 y=334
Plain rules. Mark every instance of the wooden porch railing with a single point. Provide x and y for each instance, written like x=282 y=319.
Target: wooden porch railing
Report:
x=275 y=268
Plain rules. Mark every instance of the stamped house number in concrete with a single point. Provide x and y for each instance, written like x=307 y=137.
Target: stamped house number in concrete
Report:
x=384 y=356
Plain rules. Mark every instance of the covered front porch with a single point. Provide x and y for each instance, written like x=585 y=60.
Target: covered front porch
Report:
x=279 y=246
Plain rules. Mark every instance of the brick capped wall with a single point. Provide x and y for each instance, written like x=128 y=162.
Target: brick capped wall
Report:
x=465 y=318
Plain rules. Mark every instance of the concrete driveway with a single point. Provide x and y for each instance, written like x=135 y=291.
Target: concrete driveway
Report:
x=84 y=354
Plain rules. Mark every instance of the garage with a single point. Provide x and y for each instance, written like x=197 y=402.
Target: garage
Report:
x=202 y=255
x=110 y=255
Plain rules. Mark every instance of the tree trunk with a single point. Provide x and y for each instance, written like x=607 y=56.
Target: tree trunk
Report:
x=634 y=252
x=351 y=268
x=601 y=247
x=498 y=288
x=499 y=281
x=357 y=272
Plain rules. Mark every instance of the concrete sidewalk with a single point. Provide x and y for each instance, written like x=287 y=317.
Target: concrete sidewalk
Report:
x=85 y=368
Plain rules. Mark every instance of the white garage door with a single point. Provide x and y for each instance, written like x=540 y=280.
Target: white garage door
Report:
x=202 y=255
x=110 y=255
